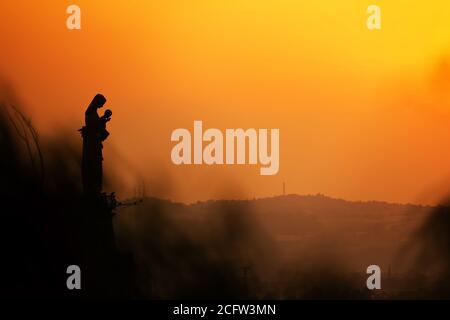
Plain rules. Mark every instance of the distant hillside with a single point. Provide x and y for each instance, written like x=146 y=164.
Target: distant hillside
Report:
x=359 y=233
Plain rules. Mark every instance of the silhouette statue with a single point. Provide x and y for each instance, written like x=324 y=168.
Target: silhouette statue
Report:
x=94 y=133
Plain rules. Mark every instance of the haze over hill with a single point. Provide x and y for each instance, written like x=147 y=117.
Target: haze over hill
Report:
x=280 y=239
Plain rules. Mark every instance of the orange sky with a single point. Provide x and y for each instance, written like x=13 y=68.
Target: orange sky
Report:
x=362 y=114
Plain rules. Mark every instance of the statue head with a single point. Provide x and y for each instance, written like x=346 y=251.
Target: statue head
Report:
x=98 y=101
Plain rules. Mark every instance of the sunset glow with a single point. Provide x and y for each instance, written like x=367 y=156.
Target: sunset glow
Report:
x=362 y=114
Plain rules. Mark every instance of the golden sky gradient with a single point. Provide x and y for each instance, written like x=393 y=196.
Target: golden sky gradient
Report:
x=362 y=114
